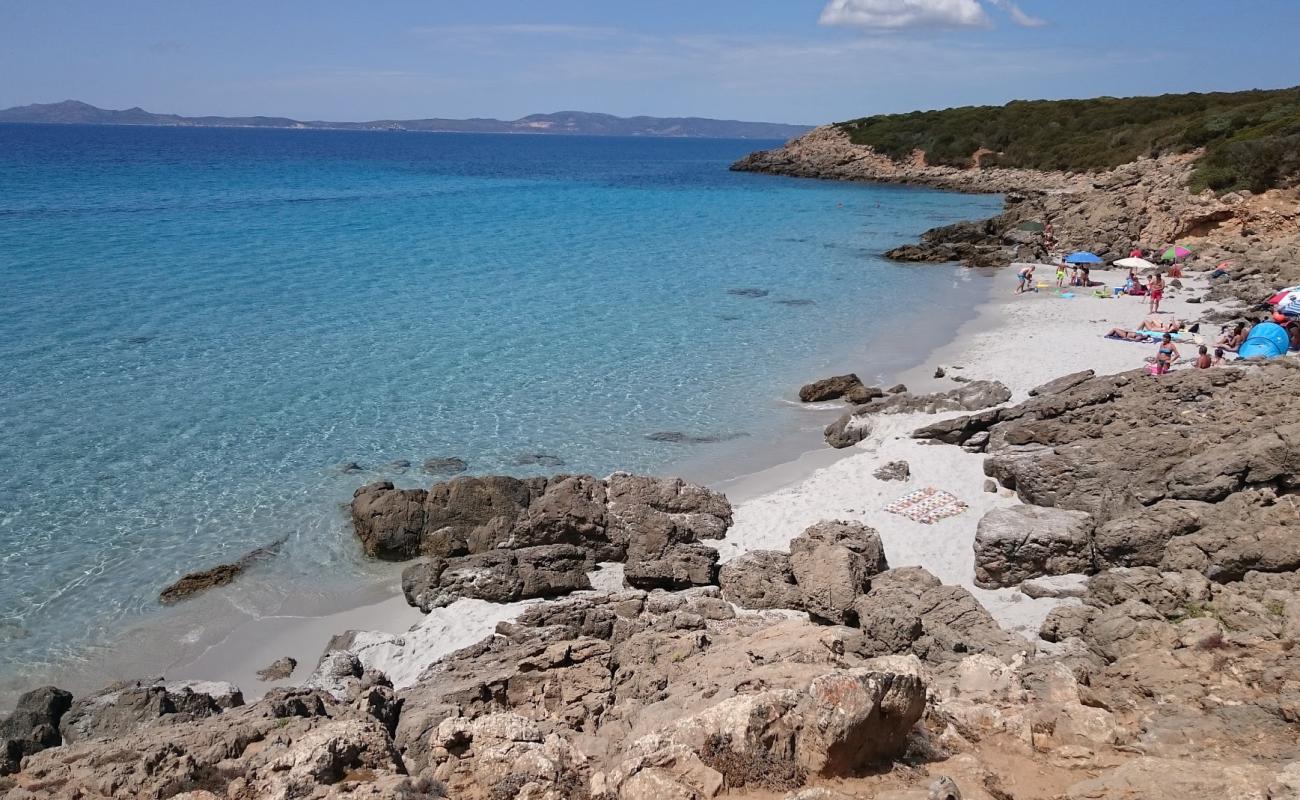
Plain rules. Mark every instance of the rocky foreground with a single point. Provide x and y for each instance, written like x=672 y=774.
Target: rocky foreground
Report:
x=822 y=672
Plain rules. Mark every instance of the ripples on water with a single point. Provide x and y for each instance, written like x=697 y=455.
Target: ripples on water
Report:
x=201 y=327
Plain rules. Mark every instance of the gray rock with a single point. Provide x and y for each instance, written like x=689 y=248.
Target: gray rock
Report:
x=680 y=566
x=1063 y=383
x=894 y=471
x=938 y=372
x=1014 y=544
x=33 y=726
x=943 y=788
x=898 y=388
x=847 y=431
x=991 y=486
x=498 y=576
x=122 y=707
x=1055 y=587
x=279 y=669
x=760 y=579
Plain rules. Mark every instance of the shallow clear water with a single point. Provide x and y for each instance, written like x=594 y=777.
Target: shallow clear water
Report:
x=200 y=327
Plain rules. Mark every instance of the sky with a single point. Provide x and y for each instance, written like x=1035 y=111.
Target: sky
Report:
x=798 y=61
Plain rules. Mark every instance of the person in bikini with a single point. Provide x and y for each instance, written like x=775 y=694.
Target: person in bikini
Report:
x=1166 y=356
x=1233 y=340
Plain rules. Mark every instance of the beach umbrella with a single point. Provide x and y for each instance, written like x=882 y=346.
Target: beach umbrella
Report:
x=1287 y=302
x=1135 y=263
x=1083 y=257
x=1175 y=253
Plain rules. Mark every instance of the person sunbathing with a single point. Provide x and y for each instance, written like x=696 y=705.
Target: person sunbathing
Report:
x=1160 y=326
x=1130 y=336
x=1232 y=341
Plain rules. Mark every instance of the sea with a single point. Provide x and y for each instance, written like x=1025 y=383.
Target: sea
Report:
x=209 y=338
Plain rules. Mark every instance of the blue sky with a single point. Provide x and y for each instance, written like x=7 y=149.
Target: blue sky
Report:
x=779 y=60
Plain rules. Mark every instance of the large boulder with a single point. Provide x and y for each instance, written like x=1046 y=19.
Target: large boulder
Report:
x=678 y=566
x=760 y=579
x=847 y=430
x=1014 y=544
x=856 y=719
x=832 y=564
x=33 y=726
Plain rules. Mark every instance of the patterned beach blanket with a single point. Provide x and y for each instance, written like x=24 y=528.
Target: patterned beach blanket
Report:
x=928 y=505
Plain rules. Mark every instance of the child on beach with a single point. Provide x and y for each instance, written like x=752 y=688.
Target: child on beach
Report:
x=1060 y=276
x=1219 y=358
x=1025 y=279
x=1203 y=360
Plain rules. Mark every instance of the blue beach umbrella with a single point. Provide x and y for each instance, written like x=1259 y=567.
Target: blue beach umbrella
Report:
x=1083 y=257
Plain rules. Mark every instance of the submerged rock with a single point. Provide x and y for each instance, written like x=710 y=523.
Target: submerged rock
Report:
x=197 y=582
x=677 y=437
x=444 y=466
x=748 y=292
x=539 y=460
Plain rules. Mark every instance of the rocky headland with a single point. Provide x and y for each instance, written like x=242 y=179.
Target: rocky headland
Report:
x=653 y=651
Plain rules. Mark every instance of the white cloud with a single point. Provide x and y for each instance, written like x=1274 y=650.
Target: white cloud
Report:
x=1017 y=15
x=894 y=14
x=905 y=13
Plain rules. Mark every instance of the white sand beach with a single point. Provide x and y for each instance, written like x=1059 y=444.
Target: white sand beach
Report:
x=1021 y=340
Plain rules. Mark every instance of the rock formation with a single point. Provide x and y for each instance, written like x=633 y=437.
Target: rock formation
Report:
x=855 y=425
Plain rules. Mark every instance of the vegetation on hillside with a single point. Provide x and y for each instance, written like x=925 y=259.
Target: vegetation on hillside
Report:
x=1251 y=139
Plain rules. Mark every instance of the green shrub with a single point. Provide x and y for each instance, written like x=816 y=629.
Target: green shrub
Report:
x=1251 y=138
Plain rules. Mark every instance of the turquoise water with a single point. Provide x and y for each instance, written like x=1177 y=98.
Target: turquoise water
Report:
x=201 y=328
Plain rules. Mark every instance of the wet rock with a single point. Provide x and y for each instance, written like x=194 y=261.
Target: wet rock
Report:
x=1022 y=542
x=33 y=726
x=198 y=582
x=760 y=579
x=938 y=372
x=351 y=468
x=398 y=466
x=444 y=466
x=831 y=388
x=894 y=471
x=279 y=669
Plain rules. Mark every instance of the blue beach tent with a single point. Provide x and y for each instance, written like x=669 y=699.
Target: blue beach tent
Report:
x=1267 y=339
x=1083 y=257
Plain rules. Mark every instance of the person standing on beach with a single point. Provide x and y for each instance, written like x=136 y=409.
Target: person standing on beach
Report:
x=1166 y=355
x=1024 y=278
x=1156 y=287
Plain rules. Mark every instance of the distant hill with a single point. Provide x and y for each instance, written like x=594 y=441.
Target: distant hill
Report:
x=71 y=112
x=1251 y=138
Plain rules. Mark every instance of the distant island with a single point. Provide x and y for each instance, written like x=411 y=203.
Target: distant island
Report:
x=73 y=112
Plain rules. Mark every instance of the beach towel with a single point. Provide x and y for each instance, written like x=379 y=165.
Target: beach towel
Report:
x=927 y=506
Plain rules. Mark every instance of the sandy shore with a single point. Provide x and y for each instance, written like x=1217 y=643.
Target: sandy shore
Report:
x=1022 y=341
